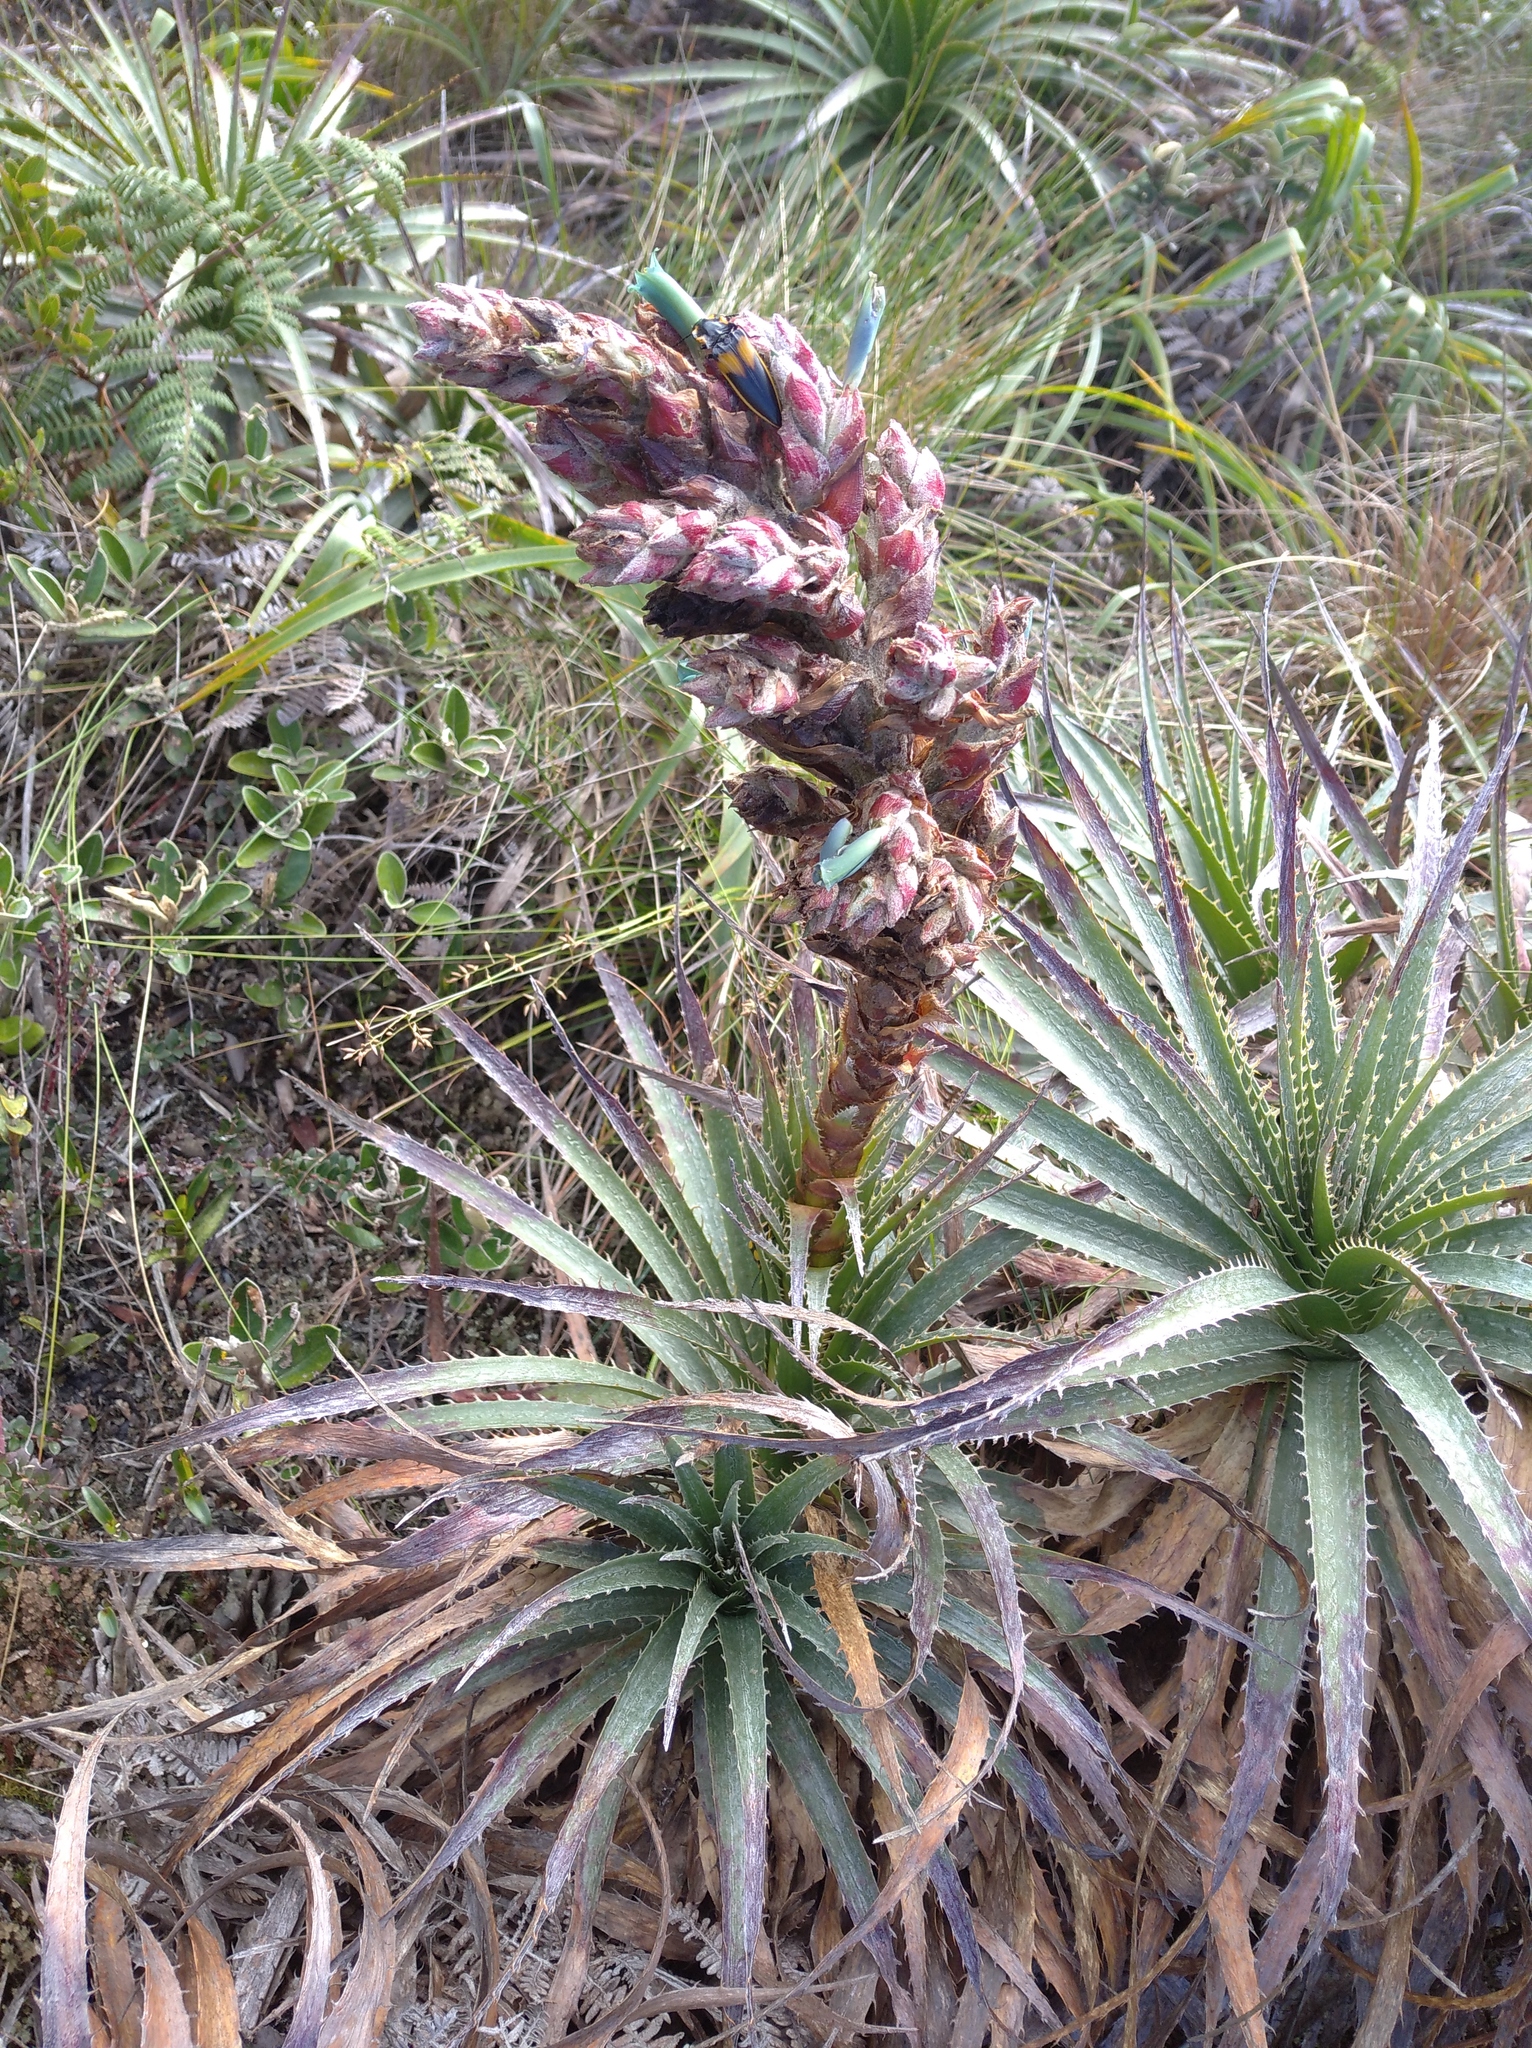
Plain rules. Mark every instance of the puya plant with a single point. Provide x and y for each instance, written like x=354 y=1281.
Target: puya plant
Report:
x=1217 y=812
x=619 y=1548
x=1330 y=1209
x=780 y=1251
x=970 y=80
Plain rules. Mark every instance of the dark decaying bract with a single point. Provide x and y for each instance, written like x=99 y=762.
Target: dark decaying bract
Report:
x=807 y=563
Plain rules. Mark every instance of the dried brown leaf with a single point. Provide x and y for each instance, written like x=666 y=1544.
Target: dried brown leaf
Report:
x=263 y=1948
x=321 y=1946
x=111 y=1966
x=166 y=2023
x=1177 y=1534
x=940 y=1810
x=210 y=1992
x=64 y=1989
x=391 y=1475
x=832 y=1582
x=360 y=2015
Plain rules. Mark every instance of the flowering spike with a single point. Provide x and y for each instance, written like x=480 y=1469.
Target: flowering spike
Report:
x=742 y=526
x=868 y=320
x=672 y=301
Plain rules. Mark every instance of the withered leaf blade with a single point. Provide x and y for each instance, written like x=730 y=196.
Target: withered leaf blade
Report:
x=321 y=1946
x=166 y=2022
x=361 y=2012
x=111 y=1968
x=210 y=1553
x=64 y=1988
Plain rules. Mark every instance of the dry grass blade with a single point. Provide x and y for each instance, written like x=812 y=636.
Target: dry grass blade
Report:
x=64 y=1993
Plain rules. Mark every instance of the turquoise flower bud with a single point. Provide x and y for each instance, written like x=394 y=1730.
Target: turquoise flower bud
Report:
x=852 y=857
x=670 y=300
x=868 y=319
x=835 y=838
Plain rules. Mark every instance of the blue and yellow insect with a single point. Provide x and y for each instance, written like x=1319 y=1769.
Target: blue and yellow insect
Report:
x=732 y=353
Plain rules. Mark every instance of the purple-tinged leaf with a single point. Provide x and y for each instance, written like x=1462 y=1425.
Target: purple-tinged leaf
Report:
x=391 y=1390
x=1046 y=1564
x=1107 y=1021
x=1130 y=892
x=928 y=1585
x=958 y=1912
x=1331 y=1415
x=667 y=1336
x=699 y=1040
x=1294 y=1909
x=979 y=1506
x=610 y=1304
x=657 y=1176
x=689 y=1159
x=1404 y=995
x=1101 y=954
x=891 y=1537
x=1284 y=818
x=1363 y=837
x=1138 y=1454
x=493 y=1513
x=560 y=1131
x=1177 y=912
x=1281 y=1629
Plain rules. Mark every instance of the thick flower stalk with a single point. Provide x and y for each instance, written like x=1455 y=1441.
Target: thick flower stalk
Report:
x=885 y=728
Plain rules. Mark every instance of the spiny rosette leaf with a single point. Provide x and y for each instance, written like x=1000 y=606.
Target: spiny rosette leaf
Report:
x=1321 y=1203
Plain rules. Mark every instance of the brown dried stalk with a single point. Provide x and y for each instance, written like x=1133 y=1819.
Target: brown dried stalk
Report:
x=888 y=728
